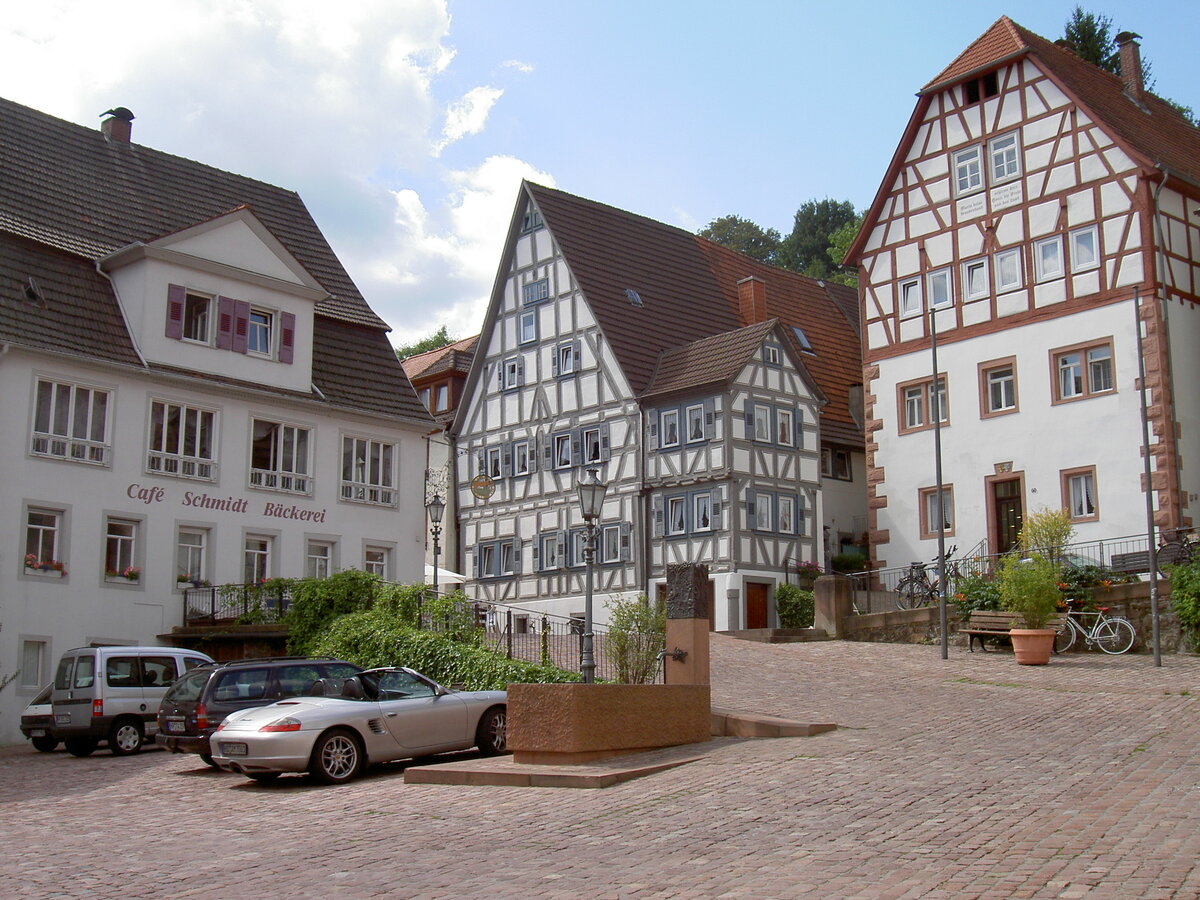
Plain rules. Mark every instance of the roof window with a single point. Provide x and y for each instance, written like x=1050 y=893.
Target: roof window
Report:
x=634 y=297
x=805 y=345
x=981 y=88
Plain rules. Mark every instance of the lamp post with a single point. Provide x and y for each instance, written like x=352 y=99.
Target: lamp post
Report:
x=591 y=499
x=436 y=507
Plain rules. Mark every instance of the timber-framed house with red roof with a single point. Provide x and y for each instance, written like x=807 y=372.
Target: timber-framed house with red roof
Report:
x=196 y=394
x=1041 y=211
x=707 y=389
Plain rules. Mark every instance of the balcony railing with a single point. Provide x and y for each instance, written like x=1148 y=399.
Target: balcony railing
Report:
x=232 y=603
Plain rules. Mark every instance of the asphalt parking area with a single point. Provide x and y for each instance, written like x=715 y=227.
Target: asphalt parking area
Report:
x=969 y=777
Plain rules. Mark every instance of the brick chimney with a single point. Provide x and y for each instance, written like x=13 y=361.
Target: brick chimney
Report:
x=118 y=127
x=752 y=300
x=1131 y=64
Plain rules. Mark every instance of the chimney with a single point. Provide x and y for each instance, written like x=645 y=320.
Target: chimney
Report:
x=752 y=300
x=1131 y=64
x=118 y=126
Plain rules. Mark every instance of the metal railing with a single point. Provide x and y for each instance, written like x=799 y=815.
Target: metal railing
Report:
x=231 y=603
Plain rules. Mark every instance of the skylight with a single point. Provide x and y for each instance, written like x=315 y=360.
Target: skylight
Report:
x=803 y=339
x=634 y=297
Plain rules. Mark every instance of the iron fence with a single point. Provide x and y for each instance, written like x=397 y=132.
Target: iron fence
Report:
x=226 y=603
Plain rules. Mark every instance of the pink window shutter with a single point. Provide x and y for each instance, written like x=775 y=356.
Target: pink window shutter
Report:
x=226 y=310
x=287 y=337
x=175 y=297
x=241 y=326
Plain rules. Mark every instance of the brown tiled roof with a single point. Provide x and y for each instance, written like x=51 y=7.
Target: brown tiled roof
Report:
x=688 y=291
x=356 y=367
x=67 y=186
x=454 y=357
x=77 y=313
x=710 y=360
x=1000 y=41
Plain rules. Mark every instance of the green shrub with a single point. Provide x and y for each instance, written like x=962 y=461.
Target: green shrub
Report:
x=1029 y=588
x=316 y=602
x=975 y=592
x=377 y=637
x=1185 y=598
x=848 y=562
x=794 y=605
x=636 y=628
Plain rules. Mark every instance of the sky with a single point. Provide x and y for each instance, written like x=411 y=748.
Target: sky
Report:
x=407 y=125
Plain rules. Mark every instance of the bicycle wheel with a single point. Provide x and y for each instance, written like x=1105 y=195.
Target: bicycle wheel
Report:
x=1115 y=635
x=911 y=592
x=1174 y=553
x=1064 y=640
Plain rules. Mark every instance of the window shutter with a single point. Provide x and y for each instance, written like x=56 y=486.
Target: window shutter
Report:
x=521 y=371
x=480 y=463
x=506 y=456
x=560 y=544
x=749 y=421
x=657 y=506
x=605 y=449
x=652 y=429
x=576 y=447
x=500 y=375
x=554 y=361
x=751 y=516
x=226 y=311
x=517 y=545
x=287 y=337
x=626 y=542
x=578 y=356
x=175 y=295
x=537 y=555
x=478 y=562
x=241 y=326
x=715 y=515
x=710 y=419
x=800 y=529
x=799 y=427
x=548 y=451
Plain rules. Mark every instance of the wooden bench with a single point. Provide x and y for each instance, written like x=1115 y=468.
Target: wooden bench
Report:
x=989 y=623
x=1133 y=563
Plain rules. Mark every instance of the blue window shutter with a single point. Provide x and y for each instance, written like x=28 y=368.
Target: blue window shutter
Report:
x=749 y=421
x=517 y=547
x=626 y=542
x=799 y=420
x=560 y=540
x=578 y=355
x=287 y=337
x=241 y=326
x=652 y=429
x=710 y=419
x=175 y=296
x=226 y=312
x=506 y=456
x=576 y=447
x=657 y=507
x=500 y=375
x=800 y=514
x=478 y=561
x=548 y=450
x=605 y=447
x=751 y=515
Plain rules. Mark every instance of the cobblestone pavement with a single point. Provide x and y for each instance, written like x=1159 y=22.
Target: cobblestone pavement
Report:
x=964 y=778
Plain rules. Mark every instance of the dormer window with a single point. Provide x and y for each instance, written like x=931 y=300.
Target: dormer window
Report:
x=240 y=326
x=258 y=337
x=982 y=88
x=196 y=316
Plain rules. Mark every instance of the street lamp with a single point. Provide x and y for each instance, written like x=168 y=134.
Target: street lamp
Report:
x=436 y=507
x=591 y=499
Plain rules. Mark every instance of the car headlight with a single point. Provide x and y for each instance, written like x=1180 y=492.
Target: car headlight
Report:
x=287 y=723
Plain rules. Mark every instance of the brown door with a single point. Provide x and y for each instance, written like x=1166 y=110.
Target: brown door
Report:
x=1006 y=502
x=756 y=605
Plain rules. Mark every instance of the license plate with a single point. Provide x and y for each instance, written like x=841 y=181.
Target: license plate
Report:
x=37 y=732
x=233 y=749
x=62 y=719
x=174 y=726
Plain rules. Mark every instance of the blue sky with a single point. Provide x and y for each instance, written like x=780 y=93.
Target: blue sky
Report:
x=406 y=125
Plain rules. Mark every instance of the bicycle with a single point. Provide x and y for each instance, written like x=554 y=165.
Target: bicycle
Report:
x=1112 y=634
x=917 y=589
x=1179 y=550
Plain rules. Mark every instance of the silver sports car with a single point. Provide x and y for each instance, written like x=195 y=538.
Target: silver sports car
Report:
x=343 y=724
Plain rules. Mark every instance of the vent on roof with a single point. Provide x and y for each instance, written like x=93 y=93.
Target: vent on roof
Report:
x=634 y=297
x=803 y=339
x=33 y=294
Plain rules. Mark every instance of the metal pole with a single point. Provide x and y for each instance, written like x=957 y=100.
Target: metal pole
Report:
x=587 y=662
x=1137 y=317
x=936 y=406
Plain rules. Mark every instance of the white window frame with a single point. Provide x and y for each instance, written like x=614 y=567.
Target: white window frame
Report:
x=512 y=374
x=772 y=355
x=1044 y=271
x=975 y=288
x=762 y=423
x=53 y=530
x=120 y=545
x=783 y=503
x=441 y=398
x=508 y=558
x=290 y=449
x=494 y=461
x=910 y=297
x=191 y=302
x=676 y=516
x=702 y=509
x=610 y=544
x=785 y=426
x=1002 y=379
x=32 y=674
x=258 y=551
x=664 y=417
x=71 y=422
x=998 y=264
x=591 y=438
x=260 y=332
x=914 y=407
x=929 y=511
x=562 y=460
x=551 y=552
x=369 y=470
x=695 y=423
x=318 y=559
x=521 y=458
x=191 y=557
x=487 y=560
x=568 y=361
x=967 y=165
x=535 y=291
x=1091 y=365
x=941 y=288
x=1085 y=238
x=1081 y=500
x=195 y=447
x=764 y=502
x=1005 y=150
x=527 y=330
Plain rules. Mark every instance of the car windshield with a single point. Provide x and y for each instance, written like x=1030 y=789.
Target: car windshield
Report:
x=399 y=685
x=43 y=696
x=188 y=688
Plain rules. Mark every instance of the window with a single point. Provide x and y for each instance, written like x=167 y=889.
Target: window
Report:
x=531 y=221
x=610 y=544
x=1085 y=249
x=33 y=660
x=258 y=335
x=494 y=464
x=441 y=398
x=512 y=374
x=772 y=355
x=1047 y=258
x=968 y=171
x=375 y=561
x=998 y=387
x=43 y=534
x=761 y=423
x=562 y=451
x=279 y=457
x=981 y=88
x=70 y=422
x=498 y=558
x=592 y=445
x=578 y=547
x=677 y=515
x=528 y=327
x=931 y=519
x=784 y=426
x=669 y=428
x=566 y=361
x=1004 y=154
x=1079 y=494
x=1083 y=371
x=918 y=403
x=552 y=551
x=802 y=338
x=191 y=548
x=256 y=559
x=425 y=398
x=910 y=297
x=975 y=279
x=318 y=558
x=1007 y=264
x=368 y=471
x=681 y=514
x=702 y=512
x=196 y=316
x=507 y=558
x=120 y=542
x=836 y=464
x=521 y=459
x=695 y=423
x=535 y=291
x=939 y=288
x=182 y=441
x=760 y=509
x=785 y=507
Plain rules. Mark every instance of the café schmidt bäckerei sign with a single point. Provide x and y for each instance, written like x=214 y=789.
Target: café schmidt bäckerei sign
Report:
x=150 y=495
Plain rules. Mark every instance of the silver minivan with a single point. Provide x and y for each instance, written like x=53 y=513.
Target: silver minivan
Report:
x=112 y=694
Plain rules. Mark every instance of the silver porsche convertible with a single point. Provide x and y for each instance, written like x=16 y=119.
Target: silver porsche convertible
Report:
x=343 y=724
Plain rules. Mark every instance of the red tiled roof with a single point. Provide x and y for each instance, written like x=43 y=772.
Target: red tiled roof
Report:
x=454 y=357
x=1000 y=41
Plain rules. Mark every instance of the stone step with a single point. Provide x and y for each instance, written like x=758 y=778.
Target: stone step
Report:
x=779 y=635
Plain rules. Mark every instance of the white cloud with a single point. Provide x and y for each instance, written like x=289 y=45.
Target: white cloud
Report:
x=522 y=67
x=468 y=115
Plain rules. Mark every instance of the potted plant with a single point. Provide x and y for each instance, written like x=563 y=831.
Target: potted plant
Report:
x=131 y=573
x=807 y=573
x=1029 y=585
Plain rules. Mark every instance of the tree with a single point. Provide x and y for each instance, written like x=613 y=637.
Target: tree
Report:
x=806 y=249
x=743 y=236
x=1090 y=37
x=839 y=246
x=438 y=339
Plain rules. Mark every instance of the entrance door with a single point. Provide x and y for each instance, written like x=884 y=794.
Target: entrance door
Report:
x=1006 y=504
x=756 y=605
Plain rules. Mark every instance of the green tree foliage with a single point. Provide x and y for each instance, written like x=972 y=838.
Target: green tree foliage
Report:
x=438 y=339
x=839 y=246
x=636 y=628
x=806 y=249
x=317 y=602
x=1185 y=598
x=743 y=236
x=1047 y=532
x=795 y=606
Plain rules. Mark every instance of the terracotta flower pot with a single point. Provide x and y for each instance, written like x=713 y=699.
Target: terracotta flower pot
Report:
x=1032 y=646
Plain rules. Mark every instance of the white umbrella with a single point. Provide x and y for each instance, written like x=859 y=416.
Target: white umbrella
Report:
x=444 y=576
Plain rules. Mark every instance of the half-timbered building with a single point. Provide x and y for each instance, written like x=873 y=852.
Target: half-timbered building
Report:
x=1039 y=211
x=703 y=386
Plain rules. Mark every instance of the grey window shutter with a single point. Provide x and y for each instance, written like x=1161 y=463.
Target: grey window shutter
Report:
x=751 y=516
x=175 y=297
x=500 y=375
x=537 y=554
x=521 y=371
x=800 y=515
x=626 y=542
x=715 y=501
x=578 y=355
x=749 y=421
x=605 y=448
x=576 y=447
x=480 y=463
x=652 y=429
x=560 y=542
x=517 y=547
x=506 y=456
x=548 y=450
x=478 y=561
x=657 y=506
x=554 y=361
x=799 y=420
x=710 y=419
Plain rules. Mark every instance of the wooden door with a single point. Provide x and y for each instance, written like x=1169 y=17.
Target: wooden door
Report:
x=1007 y=506
x=756 y=605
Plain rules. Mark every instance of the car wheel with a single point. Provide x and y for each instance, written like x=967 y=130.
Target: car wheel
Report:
x=263 y=777
x=80 y=746
x=336 y=758
x=209 y=761
x=491 y=737
x=45 y=744
x=126 y=737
